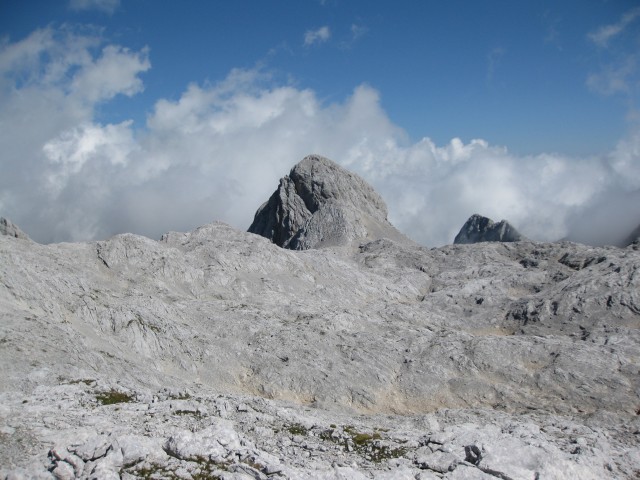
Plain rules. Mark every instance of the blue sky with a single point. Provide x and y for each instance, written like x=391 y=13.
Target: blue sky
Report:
x=548 y=90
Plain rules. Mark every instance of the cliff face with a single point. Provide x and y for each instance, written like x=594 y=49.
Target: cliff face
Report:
x=517 y=359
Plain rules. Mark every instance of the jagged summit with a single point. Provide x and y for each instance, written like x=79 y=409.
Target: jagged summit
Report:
x=320 y=204
x=482 y=229
x=12 y=230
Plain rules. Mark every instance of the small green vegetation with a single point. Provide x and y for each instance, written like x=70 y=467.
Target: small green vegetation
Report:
x=297 y=429
x=362 y=438
x=112 y=397
x=350 y=429
x=367 y=445
x=381 y=453
x=153 y=472
x=204 y=471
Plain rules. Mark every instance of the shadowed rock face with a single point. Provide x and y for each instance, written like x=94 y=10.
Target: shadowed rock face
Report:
x=320 y=204
x=482 y=229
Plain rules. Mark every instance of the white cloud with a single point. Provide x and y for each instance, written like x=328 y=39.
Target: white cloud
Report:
x=217 y=152
x=320 y=35
x=604 y=34
x=106 y=6
x=114 y=72
x=72 y=149
x=612 y=79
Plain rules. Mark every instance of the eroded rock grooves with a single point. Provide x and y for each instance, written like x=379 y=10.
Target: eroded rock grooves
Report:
x=217 y=354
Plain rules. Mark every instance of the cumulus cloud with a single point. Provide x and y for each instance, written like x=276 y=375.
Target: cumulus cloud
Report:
x=106 y=6
x=217 y=152
x=320 y=35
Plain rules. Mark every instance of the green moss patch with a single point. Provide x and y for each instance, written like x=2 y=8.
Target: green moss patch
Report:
x=112 y=397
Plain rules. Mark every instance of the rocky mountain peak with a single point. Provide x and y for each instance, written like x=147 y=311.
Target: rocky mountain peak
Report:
x=482 y=229
x=321 y=204
x=10 y=229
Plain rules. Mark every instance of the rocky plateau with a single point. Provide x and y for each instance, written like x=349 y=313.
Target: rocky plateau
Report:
x=352 y=353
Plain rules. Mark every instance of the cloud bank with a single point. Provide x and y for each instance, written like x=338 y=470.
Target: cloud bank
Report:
x=217 y=152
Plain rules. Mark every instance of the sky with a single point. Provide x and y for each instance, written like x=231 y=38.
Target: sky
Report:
x=150 y=116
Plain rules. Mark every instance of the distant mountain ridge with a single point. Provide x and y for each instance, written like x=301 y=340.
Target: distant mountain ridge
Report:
x=482 y=229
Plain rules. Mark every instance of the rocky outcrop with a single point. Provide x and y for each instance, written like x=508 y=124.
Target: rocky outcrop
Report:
x=10 y=229
x=320 y=204
x=482 y=229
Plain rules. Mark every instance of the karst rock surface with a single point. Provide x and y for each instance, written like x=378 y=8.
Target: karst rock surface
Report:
x=482 y=229
x=218 y=354
x=320 y=204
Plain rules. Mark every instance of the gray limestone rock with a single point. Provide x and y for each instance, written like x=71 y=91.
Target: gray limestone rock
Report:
x=10 y=229
x=320 y=204
x=482 y=229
